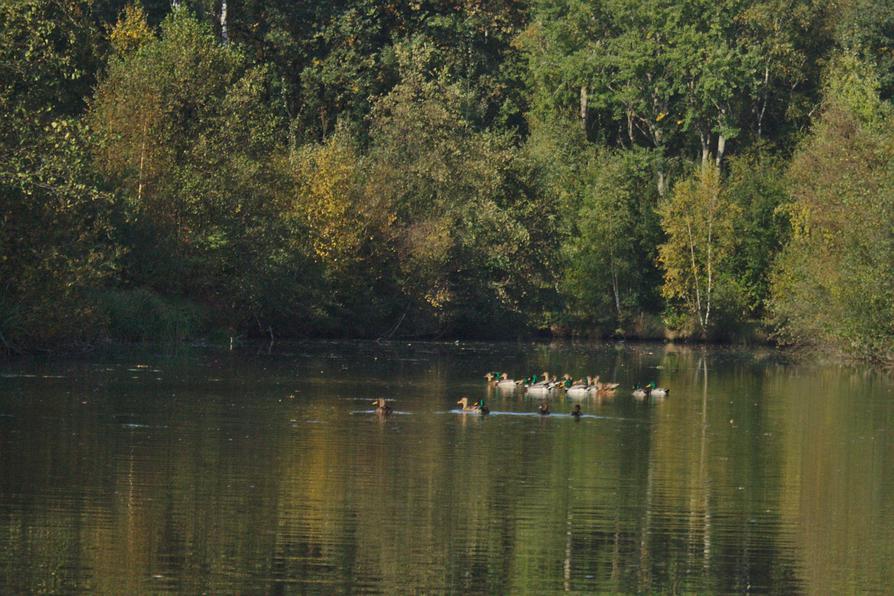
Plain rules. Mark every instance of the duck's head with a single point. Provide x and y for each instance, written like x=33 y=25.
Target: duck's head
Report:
x=544 y=407
x=576 y=411
x=504 y=377
x=489 y=376
x=379 y=403
x=464 y=402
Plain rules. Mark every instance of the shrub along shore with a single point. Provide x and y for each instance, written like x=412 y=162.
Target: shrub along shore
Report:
x=487 y=170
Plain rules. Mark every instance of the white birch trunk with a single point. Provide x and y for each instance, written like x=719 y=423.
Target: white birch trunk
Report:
x=224 y=36
x=583 y=108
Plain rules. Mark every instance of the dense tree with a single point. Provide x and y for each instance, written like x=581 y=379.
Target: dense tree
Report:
x=465 y=230
x=367 y=168
x=866 y=27
x=189 y=133
x=611 y=249
x=55 y=218
x=698 y=219
x=834 y=284
x=756 y=186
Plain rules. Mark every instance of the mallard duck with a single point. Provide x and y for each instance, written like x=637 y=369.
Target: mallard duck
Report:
x=382 y=408
x=467 y=407
x=482 y=409
x=576 y=411
x=639 y=392
x=657 y=391
x=543 y=386
x=506 y=383
x=579 y=389
x=566 y=382
x=605 y=387
x=544 y=408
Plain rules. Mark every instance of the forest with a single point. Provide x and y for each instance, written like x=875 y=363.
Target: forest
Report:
x=680 y=169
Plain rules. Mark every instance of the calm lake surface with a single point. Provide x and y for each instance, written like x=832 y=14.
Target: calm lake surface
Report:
x=250 y=471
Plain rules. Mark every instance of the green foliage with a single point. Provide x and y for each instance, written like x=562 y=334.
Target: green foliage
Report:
x=698 y=219
x=445 y=168
x=189 y=133
x=141 y=315
x=756 y=185
x=465 y=229
x=852 y=84
x=682 y=76
x=611 y=248
x=55 y=239
x=834 y=283
x=866 y=28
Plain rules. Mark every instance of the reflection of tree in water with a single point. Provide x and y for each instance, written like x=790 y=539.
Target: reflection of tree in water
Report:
x=229 y=488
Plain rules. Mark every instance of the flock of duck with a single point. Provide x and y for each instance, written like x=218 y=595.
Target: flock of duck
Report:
x=545 y=386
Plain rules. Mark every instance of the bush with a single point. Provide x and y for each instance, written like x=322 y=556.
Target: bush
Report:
x=141 y=315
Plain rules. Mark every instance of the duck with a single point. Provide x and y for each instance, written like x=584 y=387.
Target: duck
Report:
x=382 y=408
x=576 y=412
x=467 y=407
x=566 y=382
x=639 y=392
x=541 y=387
x=657 y=391
x=544 y=408
x=505 y=382
x=482 y=409
x=580 y=389
x=605 y=387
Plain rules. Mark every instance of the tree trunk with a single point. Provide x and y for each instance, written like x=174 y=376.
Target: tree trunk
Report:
x=698 y=295
x=142 y=163
x=760 y=116
x=705 y=139
x=615 y=290
x=721 y=148
x=584 y=111
x=224 y=36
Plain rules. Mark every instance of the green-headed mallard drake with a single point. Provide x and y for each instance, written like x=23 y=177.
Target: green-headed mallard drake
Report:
x=382 y=408
x=576 y=411
x=543 y=386
x=466 y=406
x=657 y=391
x=580 y=389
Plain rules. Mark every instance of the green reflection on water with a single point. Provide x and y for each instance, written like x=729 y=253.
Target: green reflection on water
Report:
x=228 y=472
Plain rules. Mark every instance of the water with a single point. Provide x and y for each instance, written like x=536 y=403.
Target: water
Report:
x=254 y=472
